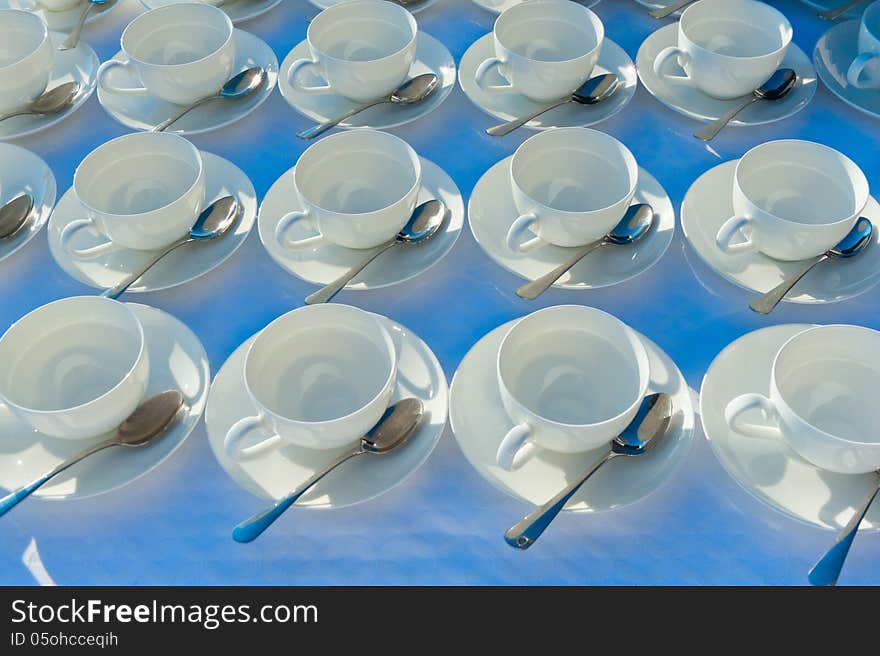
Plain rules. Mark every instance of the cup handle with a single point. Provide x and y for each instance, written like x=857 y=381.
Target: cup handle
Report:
x=287 y=222
x=750 y=401
x=515 y=448
x=484 y=68
x=105 y=85
x=84 y=253
x=295 y=68
x=854 y=74
x=663 y=58
x=516 y=231
x=726 y=233
x=240 y=429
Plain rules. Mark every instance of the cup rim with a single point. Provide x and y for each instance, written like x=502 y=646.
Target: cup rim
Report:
x=641 y=357
x=389 y=380
x=340 y=6
x=590 y=14
x=176 y=7
x=788 y=344
x=806 y=226
x=127 y=376
x=789 y=34
x=873 y=8
x=36 y=51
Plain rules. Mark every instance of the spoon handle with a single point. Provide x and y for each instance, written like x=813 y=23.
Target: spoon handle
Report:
x=709 y=132
x=663 y=12
x=836 y=12
x=183 y=112
x=321 y=128
x=532 y=290
x=523 y=534
x=17 y=112
x=330 y=290
x=73 y=38
x=506 y=128
x=765 y=304
x=827 y=570
x=250 y=529
x=117 y=291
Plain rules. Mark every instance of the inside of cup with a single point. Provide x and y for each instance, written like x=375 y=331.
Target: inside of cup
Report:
x=137 y=173
x=551 y=31
x=575 y=170
x=357 y=172
x=736 y=28
x=318 y=364
x=803 y=182
x=176 y=34
x=573 y=365
x=828 y=376
x=362 y=31
x=21 y=34
x=68 y=353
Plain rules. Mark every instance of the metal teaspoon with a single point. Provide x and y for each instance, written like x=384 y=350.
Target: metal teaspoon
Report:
x=52 y=101
x=836 y=12
x=663 y=12
x=73 y=38
x=14 y=215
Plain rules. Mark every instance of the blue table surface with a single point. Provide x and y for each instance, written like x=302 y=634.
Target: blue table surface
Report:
x=444 y=525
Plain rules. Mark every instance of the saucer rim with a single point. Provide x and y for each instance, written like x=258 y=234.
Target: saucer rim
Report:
x=589 y=4
x=824 y=74
x=420 y=7
x=271 y=4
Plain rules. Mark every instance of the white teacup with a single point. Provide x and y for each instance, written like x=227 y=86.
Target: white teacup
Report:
x=362 y=49
x=824 y=400
x=25 y=58
x=545 y=49
x=320 y=377
x=357 y=188
x=74 y=368
x=793 y=200
x=864 y=72
x=179 y=53
x=571 y=379
x=727 y=48
x=141 y=191
x=571 y=187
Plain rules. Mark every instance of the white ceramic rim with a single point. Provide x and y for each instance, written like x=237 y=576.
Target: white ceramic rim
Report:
x=591 y=15
x=35 y=51
x=682 y=31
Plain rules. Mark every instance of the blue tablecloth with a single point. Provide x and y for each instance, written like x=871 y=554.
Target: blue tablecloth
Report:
x=444 y=525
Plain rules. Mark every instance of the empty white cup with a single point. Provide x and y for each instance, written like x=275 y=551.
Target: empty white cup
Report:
x=141 y=191
x=362 y=49
x=571 y=379
x=25 y=58
x=824 y=399
x=864 y=72
x=320 y=377
x=357 y=188
x=545 y=49
x=179 y=53
x=793 y=200
x=571 y=186
x=74 y=368
x=727 y=48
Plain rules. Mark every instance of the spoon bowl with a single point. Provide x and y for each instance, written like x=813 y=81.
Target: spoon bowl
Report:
x=53 y=101
x=15 y=214
x=216 y=220
x=415 y=89
x=856 y=240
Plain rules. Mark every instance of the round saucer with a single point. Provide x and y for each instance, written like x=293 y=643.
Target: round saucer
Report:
x=834 y=52
x=650 y=4
x=21 y=171
x=498 y=6
x=695 y=104
x=491 y=211
x=707 y=205
x=414 y=6
x=239 y=11
x=177 y=361
x=78 y=65
x=325 y=262
x=480 y=422
x=61 y=21
x=184 y=264
x=274 y=474
x=510 y=105
x=825 y=5
x=767 y=468
x=431 y=57
x=143 y=112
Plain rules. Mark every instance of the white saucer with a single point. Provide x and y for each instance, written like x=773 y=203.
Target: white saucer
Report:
x=414 y=8
x=177 y=361
x=237 y=11
x=21 y=171
x=507 y=106
x=498 y=6
x=697 y=105
x=491 y=212
x=184 y=264
x=62 y=21
x=834 y=53
x=707 y=205
x=650 y=4
x=144 y=112
x=431 y=57
x=767 y=468
x=275 y=474
x=78 y=65
x=824 y=5
x=325 y=262
x=479 y=422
